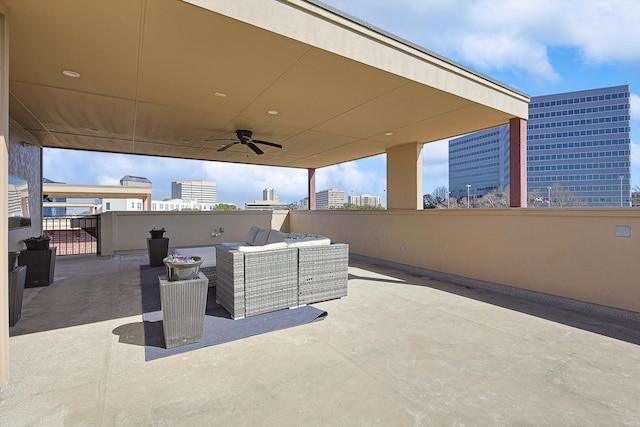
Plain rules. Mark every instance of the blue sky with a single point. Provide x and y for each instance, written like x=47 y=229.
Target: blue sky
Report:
x=540 y=47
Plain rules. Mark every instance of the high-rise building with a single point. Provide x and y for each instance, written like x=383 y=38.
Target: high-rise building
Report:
x=200 y=191
x=577 y=141
x=269 y=194
x=328 y=199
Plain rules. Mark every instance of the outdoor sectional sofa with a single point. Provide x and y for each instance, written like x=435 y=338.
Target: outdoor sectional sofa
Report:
x=272 y=270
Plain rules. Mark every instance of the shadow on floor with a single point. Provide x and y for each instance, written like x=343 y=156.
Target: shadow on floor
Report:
x=555 y=309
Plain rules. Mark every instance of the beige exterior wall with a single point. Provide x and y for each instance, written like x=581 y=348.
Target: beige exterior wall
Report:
x=4 y=224
x=573 y=253
x=128 y=231
x=404 y=177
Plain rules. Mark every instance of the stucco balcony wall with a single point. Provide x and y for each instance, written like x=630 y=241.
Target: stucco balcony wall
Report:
x=128 y=231
x=572 y=253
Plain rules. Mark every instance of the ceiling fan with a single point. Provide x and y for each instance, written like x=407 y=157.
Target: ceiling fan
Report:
x=244 y=137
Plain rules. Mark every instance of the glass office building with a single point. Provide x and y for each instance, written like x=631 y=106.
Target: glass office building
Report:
x=578 y=142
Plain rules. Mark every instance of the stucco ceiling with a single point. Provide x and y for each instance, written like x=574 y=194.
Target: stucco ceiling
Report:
x=150 y=71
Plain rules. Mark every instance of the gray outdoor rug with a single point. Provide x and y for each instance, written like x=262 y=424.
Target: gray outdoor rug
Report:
x=218 y=325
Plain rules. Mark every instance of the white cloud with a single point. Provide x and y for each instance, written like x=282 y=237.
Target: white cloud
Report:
x=511 y=35
x=635 y=107
x=506 y=51
x=244 y=183
x=357 y=177
x=435 y=165
x=635 y=154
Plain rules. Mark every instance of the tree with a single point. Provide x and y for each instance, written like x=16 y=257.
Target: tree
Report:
x=352 y=207
x=224 y=207
x=635 y=196
x=433 y=200
x=496 y=199
x=562 y=198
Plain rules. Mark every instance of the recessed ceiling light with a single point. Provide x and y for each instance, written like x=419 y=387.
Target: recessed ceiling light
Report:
x=70 y=73
x=388 y=133
x=221 y=94
x=273 y=112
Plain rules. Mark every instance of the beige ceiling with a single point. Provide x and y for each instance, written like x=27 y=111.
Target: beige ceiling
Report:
x=149 y=71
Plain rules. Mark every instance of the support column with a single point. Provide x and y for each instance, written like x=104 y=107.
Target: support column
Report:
x=4 y=178
x=518 y=163
x=147 y=202
x=404 y=177
x=312 y=189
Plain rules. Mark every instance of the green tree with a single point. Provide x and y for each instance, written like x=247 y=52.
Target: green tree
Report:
x=224 y=207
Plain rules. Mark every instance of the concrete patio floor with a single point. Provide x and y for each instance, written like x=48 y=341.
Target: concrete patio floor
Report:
x=400 y=350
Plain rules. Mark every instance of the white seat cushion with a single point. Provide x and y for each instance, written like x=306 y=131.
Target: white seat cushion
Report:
x=301 y=243
x=260 y=248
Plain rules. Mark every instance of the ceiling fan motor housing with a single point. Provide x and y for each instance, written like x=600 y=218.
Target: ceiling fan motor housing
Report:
x=244 y=135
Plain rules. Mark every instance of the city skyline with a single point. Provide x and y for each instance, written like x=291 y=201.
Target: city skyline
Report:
x=538 y=47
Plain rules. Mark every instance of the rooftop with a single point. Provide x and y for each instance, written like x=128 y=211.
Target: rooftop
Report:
x=401 y=349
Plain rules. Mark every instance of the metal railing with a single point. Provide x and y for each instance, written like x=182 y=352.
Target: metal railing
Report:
x=73 y=235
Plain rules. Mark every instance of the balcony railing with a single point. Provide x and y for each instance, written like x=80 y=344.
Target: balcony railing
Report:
x=73 y=235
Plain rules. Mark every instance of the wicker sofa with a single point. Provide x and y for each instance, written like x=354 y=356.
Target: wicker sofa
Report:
x=287 y=271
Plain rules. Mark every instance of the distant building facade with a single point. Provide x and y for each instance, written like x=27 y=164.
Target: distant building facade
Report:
x=304 y=204
x=200 y=191
x=365 y=200
x=134 y=181
x=48 y=211
x=329 y=199
x=269 y=194
x=579 y=141
x=265 y=205
x=108 y=205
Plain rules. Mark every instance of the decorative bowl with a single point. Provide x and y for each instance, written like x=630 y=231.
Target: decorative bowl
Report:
x=182 y=267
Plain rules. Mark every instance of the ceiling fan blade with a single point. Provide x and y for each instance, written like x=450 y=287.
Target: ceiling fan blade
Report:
x=255 y=148
x=273 y=144
x=228 y=145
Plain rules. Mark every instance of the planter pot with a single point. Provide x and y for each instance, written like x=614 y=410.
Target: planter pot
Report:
x=157 y=234
x=17 y=277
x=182 y=270
x=158 y=249
x=37 y=245
x=41 y=265
x=13 y=260
x=183 y=306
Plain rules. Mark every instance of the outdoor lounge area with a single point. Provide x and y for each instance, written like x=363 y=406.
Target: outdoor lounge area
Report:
x=400 y=350
x=510 y=316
